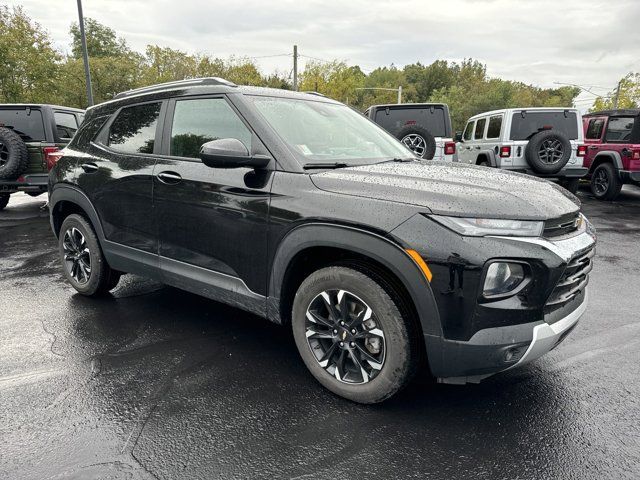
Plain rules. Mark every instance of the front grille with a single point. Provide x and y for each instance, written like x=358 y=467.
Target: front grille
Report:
x=560 y=226
x=574 y=279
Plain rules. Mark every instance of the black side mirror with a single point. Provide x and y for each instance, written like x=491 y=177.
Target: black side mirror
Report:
x=230 y=153
x=459 y=137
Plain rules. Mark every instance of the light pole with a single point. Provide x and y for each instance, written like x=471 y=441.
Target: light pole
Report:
x=85 y=54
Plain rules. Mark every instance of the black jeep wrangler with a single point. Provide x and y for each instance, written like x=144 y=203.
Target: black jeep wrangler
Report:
x=30 y=137
x=298 y=209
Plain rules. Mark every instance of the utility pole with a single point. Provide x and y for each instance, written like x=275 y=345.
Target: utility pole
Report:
x=617 y=97
x=400 y=94
x=295 y=67
x=85 y=54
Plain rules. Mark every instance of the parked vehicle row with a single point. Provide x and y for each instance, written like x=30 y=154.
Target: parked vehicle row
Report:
x=31 y=136
x=298 y=209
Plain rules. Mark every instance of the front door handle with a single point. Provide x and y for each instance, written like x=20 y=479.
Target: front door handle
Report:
x=89 y=167
x=170 y=178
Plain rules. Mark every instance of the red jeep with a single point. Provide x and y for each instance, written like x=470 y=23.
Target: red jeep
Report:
x=613 y=153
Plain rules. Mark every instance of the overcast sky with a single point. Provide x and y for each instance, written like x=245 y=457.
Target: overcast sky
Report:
x=587 y=42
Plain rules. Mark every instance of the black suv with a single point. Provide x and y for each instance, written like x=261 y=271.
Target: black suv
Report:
x=297 y=208
x=31 y=136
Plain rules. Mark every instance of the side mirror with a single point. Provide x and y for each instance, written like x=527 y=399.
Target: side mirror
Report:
x=230 y=153
x=459 y=137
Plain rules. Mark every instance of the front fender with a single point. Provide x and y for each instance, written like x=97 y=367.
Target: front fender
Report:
x=374 y=246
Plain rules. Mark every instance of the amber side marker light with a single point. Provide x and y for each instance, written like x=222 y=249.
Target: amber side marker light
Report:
x=421 y=263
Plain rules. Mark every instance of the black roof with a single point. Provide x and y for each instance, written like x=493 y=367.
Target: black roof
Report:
x=625 y=112
x=38 y=105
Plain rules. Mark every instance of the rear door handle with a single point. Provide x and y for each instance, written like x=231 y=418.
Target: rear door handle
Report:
x=478 y=147
x=170 y=178
x=593 y=147
x=89 y=167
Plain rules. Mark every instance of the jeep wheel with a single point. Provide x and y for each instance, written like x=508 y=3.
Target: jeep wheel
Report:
x=13 y=154
x=605 y=184
x=83 y=263
x=352 y=336
x=548 y=151
x=419 y=140
x=4 y=200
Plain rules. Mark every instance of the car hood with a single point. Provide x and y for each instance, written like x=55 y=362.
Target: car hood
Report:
x=453 y=189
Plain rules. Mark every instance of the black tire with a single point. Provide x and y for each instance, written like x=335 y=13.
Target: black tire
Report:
x=605 y=183
x=100 y=278
x=13 y=154
x=482 y=163
x=570 y=184
x=4 y=200
x=398 y=345
x=548 y=151
x=419 y=140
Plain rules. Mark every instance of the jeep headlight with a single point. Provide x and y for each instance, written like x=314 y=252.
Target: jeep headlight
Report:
x=480 y=227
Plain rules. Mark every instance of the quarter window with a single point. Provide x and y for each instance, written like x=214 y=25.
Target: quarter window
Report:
x=480 y=129
x=202 y=120
x=134 y=129
x=468 y=131
x=594 y=130
x=619 y=129
x=495 y=125
x=66 y=124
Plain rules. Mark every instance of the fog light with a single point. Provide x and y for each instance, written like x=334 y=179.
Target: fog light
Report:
x=502 y=278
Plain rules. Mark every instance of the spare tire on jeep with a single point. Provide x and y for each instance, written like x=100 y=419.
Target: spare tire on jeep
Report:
x=419 y=140
x=548 y=151
x=13 y=154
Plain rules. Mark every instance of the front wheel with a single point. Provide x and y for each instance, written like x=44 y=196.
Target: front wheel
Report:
x=605 y=184
x=83 y=263
x=4 y=200
x=354 y=334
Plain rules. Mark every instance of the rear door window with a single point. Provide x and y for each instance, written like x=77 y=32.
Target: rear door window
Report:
x=495 y=125
x=134 y=129
x=594 y=129
x=66 y=125
x=479 y=133
x=526 y=124
x=619 y=129
x=431 y=118
x=25 y=121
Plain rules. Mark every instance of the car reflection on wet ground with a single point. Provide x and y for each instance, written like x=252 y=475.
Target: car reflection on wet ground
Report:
x=153 y=382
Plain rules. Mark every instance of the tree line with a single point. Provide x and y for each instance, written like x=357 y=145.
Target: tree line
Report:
x=33 y=70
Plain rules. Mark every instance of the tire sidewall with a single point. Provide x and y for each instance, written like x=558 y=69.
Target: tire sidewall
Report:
x=613 y=186
x=532 y=150
x=18 y=155
x=98 y=265
x=396 y=368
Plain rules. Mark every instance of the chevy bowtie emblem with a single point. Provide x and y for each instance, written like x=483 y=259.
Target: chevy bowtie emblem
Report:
x=344 y=334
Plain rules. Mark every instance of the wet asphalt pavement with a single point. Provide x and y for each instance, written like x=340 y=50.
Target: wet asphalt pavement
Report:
x=158 y=383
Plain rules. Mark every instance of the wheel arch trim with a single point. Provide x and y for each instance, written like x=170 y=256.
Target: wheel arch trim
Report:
x=362 y=242
x=73 y=194
x=604 y=156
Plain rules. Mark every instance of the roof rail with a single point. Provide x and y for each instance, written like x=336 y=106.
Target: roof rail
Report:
x=311 y=92
x=190 y=82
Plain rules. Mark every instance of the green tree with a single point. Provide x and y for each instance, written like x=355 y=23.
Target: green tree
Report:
x=629 y=96
x=28 y=61
x=102 y=41
x=334 y=79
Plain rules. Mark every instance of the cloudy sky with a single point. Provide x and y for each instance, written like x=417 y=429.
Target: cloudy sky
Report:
x=587 y=42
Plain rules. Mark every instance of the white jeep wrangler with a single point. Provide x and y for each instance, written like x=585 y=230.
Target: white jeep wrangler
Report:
x=545 y=142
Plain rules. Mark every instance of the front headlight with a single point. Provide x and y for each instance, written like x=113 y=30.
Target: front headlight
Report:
x=480 y=227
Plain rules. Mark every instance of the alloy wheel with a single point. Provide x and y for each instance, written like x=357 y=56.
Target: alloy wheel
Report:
x=415 y=143
x=601 y=181
x=345 y=337
x=77 y=257
x=551 y=151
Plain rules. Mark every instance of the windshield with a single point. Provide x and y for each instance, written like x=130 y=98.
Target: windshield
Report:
x=327 y=132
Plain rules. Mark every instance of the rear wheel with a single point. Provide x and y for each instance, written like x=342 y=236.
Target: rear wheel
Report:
x=354 y=334
x=605 y=184
x=82 y=260
x=4 y=200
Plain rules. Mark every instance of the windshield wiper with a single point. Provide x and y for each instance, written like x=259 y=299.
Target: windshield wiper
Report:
x=312 y=166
